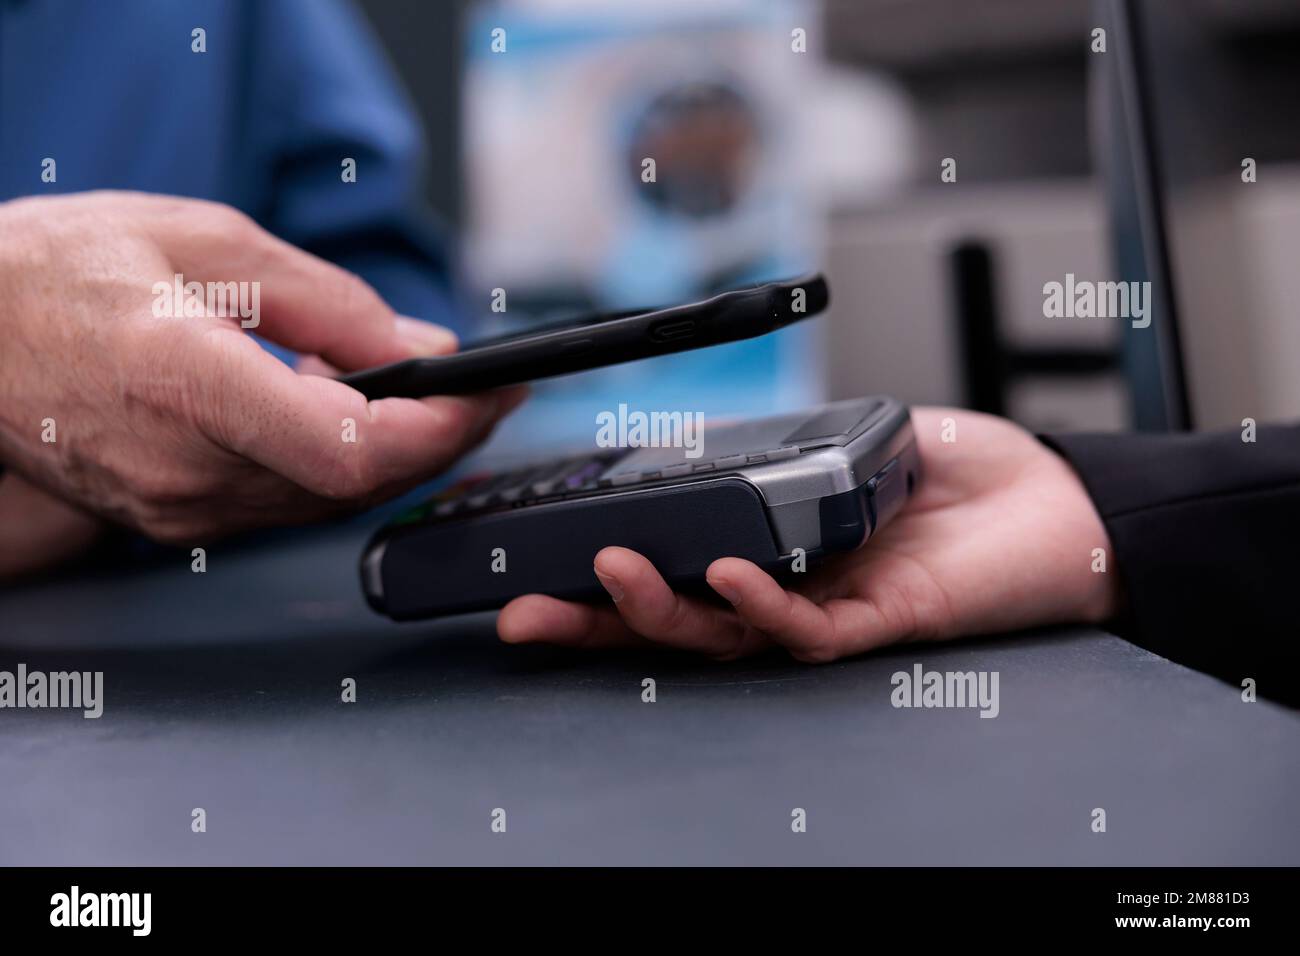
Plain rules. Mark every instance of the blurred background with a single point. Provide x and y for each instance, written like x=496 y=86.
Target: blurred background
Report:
x=796 y=134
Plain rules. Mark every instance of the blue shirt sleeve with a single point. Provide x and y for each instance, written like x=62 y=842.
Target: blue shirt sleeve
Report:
x=325 y=93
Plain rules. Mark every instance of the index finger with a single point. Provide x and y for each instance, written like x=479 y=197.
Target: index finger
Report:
x=294 y=299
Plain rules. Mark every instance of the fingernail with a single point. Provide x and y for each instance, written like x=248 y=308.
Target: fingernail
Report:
x=726 y=590
x=425 y=338
x=611 y=585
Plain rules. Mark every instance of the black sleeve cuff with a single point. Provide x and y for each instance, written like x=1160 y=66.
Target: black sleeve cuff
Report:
x=1203 y=529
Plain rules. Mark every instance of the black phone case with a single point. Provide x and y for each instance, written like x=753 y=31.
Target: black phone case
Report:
x=729 y=317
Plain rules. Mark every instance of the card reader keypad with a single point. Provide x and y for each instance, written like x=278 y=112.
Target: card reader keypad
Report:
x=623 y=468
x=484 y=490
x=569 y=477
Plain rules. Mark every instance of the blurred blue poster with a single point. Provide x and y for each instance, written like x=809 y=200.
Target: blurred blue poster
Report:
x=565 y=104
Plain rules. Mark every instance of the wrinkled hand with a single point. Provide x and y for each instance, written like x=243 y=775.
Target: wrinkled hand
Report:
x=185 y=428
x=999 y=536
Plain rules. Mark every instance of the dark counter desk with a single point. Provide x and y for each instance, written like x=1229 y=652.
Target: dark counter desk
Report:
x=222 y=691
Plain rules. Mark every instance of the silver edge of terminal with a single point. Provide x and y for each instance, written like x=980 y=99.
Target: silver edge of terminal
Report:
x=372 y=571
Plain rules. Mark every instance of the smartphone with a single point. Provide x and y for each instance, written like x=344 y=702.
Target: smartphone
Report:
x=783 y=491
x=598 y=341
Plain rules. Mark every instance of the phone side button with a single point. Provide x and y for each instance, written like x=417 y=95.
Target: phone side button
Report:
x=672 y=330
